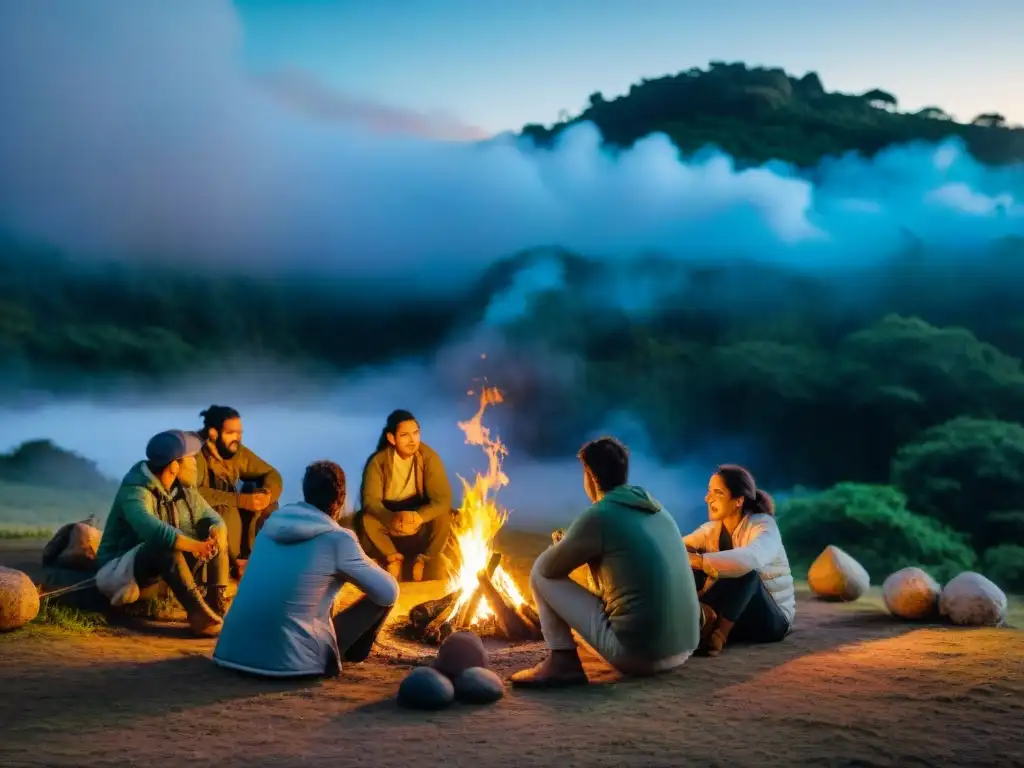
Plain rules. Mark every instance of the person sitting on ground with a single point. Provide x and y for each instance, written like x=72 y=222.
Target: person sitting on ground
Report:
x=645 y=618
x=406 y=502
x=159 y=527
x=224 y=464
x=280 y=623
x=741 y=567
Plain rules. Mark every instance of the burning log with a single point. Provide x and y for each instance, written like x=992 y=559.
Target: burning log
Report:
x=421 y=615
x=433 y=620
x=511 y=623
x=465 y=616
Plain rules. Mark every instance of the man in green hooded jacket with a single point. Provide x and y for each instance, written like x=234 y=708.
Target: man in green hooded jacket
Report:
x=645 y=617
x=160 y=528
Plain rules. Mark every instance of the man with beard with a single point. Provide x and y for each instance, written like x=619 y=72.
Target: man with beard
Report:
x=241 y=486
x=159 y=527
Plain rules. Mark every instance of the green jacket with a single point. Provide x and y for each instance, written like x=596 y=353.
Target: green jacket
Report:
x=640 y=567
x=216 y=475
x=432 y=484
x=143 y=513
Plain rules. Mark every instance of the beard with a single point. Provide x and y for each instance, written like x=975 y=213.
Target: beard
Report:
x=227 y=451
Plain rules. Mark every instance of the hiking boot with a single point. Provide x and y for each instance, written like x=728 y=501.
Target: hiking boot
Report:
x=201 y=618
x=560 y=669
x=719 y=637
x=218 y=600
x=417 y=569
x=708 y=619
x=205 y=623
x=395 y=567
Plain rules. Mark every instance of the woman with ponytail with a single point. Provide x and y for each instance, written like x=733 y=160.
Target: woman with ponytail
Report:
x=742 y=571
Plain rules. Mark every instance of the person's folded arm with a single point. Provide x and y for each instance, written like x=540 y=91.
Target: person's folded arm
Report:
x=581 y=544
x=438 y=489
x=372 y=494
x=354 y=566
x=759 y=552
x=255 y=469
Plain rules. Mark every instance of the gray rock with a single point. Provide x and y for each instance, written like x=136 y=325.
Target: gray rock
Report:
x=19 y=599
x=459 y=652
x=425 y=688
x=972 y=600
x=477 y=685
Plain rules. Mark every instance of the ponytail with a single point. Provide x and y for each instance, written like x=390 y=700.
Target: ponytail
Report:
x=763 y=504
x=741 y=484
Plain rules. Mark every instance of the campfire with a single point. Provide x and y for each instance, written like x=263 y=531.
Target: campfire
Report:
x=480 y=594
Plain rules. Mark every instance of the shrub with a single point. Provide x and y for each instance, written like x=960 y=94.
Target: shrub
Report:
x=871 y=523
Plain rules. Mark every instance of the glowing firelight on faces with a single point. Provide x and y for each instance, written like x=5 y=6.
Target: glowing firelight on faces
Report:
x=480 y=518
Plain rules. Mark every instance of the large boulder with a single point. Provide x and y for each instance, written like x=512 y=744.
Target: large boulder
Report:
x=478 y=686
x=972 y=600
x=459 y=652
x=425 y=688
x=911 y=593
x=834 y=575
x=19 y=599
x=83 y=544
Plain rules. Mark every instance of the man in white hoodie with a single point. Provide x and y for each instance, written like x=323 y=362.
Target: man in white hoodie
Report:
x=280 y=621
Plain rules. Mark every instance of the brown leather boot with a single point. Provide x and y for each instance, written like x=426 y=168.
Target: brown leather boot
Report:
x=719 y=637
x=708 y=619
x=201 y=618
x=559 y=670
x=395 y=567
x=218 y=600
x=418 y=568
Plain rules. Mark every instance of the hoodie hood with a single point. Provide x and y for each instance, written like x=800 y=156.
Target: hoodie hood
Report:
x=634 y=497
x=140 y=476
x=296 y=523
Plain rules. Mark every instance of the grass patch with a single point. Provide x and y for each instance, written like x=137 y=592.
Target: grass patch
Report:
x=69 y=619
x=10 y=532
x=30 y=506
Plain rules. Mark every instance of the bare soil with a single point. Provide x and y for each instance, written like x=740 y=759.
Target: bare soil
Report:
x=849 y=687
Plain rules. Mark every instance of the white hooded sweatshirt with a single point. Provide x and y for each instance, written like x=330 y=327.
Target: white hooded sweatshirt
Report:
x=279 y=623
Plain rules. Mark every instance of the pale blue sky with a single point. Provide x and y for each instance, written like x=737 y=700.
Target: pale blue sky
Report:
x=501 y=64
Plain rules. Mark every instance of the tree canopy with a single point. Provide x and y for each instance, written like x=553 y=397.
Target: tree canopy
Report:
x=757 y=114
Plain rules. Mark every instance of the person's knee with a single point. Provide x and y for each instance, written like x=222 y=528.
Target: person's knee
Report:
x=750 y=577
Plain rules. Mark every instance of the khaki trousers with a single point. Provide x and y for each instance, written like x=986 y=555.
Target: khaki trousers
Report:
x=564 y=606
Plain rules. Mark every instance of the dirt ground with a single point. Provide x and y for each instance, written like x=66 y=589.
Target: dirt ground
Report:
x=849 y=687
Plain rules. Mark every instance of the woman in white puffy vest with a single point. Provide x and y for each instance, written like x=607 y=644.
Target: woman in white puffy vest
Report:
x=740 y=564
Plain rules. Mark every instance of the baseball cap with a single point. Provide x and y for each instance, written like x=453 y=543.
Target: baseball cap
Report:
x=172 y=445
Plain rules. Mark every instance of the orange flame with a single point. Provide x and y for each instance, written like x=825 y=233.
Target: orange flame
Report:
x=480 y=517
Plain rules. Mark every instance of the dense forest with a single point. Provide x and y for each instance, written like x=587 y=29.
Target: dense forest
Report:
x=894 y=391
x=759 y=114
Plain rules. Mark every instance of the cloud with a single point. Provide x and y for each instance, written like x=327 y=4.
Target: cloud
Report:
x=137 y=132
x=306 y=93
